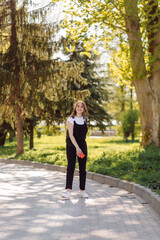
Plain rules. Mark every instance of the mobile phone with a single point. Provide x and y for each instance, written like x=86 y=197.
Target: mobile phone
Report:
x=81 y=155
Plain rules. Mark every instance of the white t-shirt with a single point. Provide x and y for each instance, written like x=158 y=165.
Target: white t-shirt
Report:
x=78 y=120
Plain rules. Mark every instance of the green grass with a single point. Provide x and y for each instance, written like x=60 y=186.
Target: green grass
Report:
x=107 y=155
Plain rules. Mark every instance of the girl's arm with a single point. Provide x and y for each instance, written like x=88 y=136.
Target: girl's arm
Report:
x=70 y=131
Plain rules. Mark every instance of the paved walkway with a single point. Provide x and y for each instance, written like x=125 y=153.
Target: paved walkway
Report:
x=31 y=208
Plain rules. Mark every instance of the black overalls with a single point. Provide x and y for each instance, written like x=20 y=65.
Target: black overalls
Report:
x=79 y=132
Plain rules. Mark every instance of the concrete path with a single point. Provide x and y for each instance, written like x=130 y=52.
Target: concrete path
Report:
x=31 y=208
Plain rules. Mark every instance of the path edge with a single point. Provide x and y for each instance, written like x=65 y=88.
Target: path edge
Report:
x=153 y=199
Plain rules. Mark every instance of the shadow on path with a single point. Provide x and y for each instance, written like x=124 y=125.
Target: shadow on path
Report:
x=31 y=208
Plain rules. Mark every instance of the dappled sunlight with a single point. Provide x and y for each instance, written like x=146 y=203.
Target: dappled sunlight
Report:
x=31 y=207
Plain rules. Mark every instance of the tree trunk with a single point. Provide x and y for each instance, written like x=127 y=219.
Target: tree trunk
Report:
x=156 y=121
x=146 y=113
x=122 y=98
x=2 y=138
x=19 y=127
x=155 y=81
x=153 y=31
x=156 y=105
x=140 y=81
x=11 y=135
x=132 y=133
x=131 y=98
x=14 y=58
x=31 y=135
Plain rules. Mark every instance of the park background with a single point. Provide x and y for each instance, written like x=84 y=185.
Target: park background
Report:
x=55 y=53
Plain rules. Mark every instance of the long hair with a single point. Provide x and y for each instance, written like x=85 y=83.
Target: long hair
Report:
x=85 y=113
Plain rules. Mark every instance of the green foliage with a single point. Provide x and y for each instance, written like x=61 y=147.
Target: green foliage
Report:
x=96 y=86
x=133 y=27
x=30 y=79
x=137 y=130
x=38 y=134
x=47 y=130
x=140 y=165
x=111 y=18
x=120 y=66
x=128 y=120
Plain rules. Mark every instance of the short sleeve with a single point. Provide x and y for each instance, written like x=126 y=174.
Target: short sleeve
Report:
x=70 y=119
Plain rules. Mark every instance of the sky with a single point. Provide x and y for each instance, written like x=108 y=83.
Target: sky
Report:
x=54 y=13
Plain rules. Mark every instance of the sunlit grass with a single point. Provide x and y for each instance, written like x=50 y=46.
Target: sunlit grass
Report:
x=51 y=145
x=97 y=146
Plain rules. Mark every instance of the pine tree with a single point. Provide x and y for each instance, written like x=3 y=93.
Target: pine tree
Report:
x=96 y=85
x=30 y=79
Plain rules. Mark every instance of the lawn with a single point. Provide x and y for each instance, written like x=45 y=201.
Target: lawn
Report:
x=106 y=155
x=51 y=149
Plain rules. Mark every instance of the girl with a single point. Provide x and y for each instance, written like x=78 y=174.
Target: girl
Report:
x=76 y=145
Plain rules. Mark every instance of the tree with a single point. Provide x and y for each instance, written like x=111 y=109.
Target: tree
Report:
x=30 y=79
x=29 y=125
x=138 y=24
x=4 y=128
x=96 y=85
x=121 y=74
x=128 y=120
x=118 y=99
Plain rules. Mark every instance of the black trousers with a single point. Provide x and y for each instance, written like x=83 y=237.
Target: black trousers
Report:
x=71 y=158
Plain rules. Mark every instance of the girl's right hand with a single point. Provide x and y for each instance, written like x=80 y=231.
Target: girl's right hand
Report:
x=78 y=150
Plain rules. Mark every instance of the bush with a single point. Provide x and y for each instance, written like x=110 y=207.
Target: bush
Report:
x=137 y=130
x=128 y=119
x=38 y=134
x=140 y=165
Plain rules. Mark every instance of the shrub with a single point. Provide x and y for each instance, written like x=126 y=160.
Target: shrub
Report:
x=140 y=165
x=128 y=119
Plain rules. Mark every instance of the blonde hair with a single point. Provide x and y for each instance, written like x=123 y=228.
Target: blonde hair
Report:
x=85 y=112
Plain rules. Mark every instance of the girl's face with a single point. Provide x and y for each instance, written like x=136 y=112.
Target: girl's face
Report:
x=79 y=108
